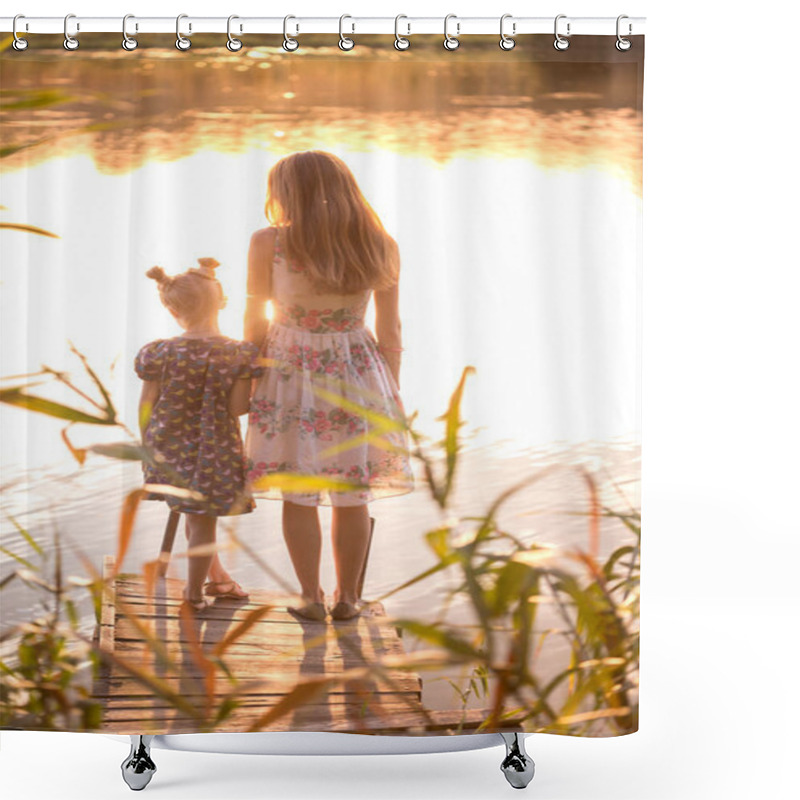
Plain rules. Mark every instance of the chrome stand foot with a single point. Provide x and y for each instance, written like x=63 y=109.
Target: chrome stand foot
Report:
x=138 y=768
x=517 y=766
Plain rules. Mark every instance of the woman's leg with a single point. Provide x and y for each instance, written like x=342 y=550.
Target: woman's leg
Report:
x=201 y=530
x=350 y=533
x=301 y=531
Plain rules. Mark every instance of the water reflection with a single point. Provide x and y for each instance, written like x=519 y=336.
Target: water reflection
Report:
x=127 y=110
x=84 y=505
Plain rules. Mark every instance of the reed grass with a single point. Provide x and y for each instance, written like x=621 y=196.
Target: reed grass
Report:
x=503 y=581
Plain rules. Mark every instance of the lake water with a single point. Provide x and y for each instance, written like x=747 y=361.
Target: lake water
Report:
x=513 y=190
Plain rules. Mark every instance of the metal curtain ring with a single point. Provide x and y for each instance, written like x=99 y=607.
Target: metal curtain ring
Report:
x=560 y=42
x=289 y=44
x=182 y=43
x=507 y=42
x=18 y=44
x=128 y=42
x=450 y=42
x=344 y=42
x=233 y=44
x=623 y=44
x=400 y=42
x=70 y=42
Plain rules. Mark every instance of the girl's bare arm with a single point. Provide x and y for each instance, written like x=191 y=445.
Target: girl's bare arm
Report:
x=259 y=264
x=239 y=397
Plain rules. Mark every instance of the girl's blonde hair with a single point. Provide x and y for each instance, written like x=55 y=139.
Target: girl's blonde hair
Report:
x=191 y=295
x=328 y=225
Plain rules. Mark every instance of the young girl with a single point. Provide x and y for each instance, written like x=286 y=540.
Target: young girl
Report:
x=325 y=255
x=196 y=385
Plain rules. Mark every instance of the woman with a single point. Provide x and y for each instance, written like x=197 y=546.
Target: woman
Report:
x=328 y=406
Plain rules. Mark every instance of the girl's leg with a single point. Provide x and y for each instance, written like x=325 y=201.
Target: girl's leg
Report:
x=216 y=572
x=301 y=531
x=201 y=530
x=350 y=533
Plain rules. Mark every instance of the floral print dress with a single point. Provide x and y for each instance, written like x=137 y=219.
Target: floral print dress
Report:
x=327 y=406
x=194 y=441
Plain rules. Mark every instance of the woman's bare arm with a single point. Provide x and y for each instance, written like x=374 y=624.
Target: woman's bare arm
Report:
x=388 y=329
x=259 y=264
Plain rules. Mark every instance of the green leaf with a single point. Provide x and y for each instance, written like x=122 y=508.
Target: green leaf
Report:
x=125 y=451
x=92 y=716
x=420 y=577
x=453 y=422
x=31 y=98
x=507 y=588
x=437 y=636
x=16 y=397
x=295 y=482
x=23 y=561
x=439 y=541
x=24 y=533
x=608 y=567
x=110 y=410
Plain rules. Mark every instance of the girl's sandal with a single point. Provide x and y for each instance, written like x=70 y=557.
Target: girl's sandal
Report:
x=236 y=592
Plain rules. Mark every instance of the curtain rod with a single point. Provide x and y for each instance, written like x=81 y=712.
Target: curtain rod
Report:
x=297 y=25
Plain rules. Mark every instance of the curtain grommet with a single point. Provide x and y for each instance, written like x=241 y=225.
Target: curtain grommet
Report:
x=18 y=44
x=622 y=44
x=450 y=42
x=129 y=42
x=345 y=43
x=560 y=43
x=507 y=42
x=400 y=42
x=70 y=42
x=233 y=44
x=289 y=44
x=182 y=43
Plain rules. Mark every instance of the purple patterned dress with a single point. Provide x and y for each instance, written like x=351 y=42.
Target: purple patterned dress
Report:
x=195 y=442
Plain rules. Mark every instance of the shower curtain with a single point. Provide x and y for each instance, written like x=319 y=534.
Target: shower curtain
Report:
x=362 y=454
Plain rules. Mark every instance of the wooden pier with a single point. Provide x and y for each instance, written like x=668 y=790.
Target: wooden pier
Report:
x=278 y=661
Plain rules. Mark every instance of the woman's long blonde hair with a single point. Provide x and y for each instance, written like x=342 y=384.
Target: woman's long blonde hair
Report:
x=327 y=224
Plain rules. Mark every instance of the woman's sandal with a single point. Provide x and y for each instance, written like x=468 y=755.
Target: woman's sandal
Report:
x=308 y=610
x=236 y=592
x=343 y=610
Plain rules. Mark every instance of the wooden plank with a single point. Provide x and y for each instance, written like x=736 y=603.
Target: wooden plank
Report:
x=228 y=609
x=135 y=703
x=336 y=707
x=278 y=683
x=271 y=658
x=131 y=708
x=257 y=654
x=176 y=637
x=169 y=590
x=107 y=607
x=318 y=718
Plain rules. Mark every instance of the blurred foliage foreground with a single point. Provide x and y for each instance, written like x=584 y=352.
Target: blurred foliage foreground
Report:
x=505 y=583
